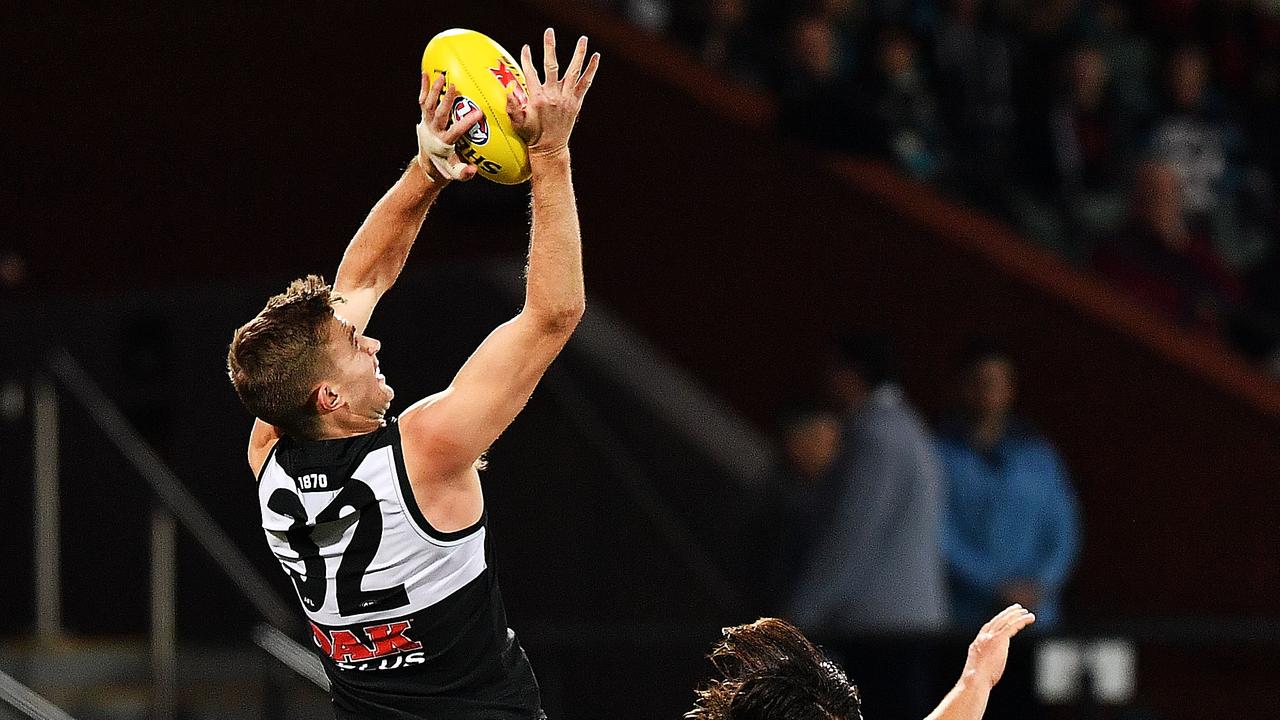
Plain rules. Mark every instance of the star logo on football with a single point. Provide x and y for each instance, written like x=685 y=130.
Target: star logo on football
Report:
x=507 y=76
x=463 y=107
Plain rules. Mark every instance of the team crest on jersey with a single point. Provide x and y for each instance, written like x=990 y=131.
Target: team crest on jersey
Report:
x=463 y=107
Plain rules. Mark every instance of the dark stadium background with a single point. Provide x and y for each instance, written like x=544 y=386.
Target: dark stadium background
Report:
x=167 y=166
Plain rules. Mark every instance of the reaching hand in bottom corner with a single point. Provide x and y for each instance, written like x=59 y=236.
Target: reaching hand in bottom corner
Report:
x=988 y=654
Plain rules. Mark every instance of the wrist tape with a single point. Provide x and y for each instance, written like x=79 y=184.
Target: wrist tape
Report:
x=436 y=151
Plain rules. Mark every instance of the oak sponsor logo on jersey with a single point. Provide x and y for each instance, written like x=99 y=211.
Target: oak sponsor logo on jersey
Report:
x=387 y=646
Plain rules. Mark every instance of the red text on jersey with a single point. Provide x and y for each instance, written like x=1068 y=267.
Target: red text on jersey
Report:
x=384 y=640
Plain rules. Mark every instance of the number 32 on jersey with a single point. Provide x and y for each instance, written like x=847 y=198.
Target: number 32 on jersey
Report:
x=312 y=584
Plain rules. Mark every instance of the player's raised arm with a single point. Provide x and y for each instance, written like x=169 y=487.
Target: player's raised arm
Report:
x=988 y=654
x=454 y=428
x=378 y=251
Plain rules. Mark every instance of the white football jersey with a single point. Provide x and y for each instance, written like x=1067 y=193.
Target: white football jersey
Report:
x=408 y=620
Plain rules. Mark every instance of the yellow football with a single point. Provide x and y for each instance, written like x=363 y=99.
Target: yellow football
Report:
x=484 y=74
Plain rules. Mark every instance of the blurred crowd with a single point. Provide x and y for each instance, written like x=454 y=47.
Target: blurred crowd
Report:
x=884 y=529
x=1138 y=138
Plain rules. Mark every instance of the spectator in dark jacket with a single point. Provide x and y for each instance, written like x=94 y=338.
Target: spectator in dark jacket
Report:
x=974 y=60
x=728 y=42
x=874 y=566
x=818 y=103
x=875 y=563
x=906 y=121
x=1090 y=148
x=1165 y=264
x=799 y=492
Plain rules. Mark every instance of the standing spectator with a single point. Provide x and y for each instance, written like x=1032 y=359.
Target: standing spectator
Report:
x=849 y=17
x=817 y=96
x=1011 y=525
x=874 y=565
x=1090 y=152
x=974 y=58
x=1203 y=148
x=907 y=125
x=810 y=441
x=799 y=489
x=726 y=42
x=1189 y=136
x=1131 y=58
x=1165 y=264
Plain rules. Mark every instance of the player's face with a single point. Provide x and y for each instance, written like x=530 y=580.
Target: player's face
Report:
x=360 y=379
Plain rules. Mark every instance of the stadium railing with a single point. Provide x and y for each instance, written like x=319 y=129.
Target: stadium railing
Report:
x=27 y=701
x=176 y=505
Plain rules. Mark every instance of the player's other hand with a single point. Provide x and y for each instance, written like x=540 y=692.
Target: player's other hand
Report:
x=436 y=139
x=989 y=652
x=546 y=119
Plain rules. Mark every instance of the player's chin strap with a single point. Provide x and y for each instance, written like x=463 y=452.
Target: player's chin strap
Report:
x=436 y=151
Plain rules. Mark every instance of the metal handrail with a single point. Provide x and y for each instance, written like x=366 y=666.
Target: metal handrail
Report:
x=28 y=702
x=182 y=505
x=290 y=653
x=166 y=486
x=45 y=476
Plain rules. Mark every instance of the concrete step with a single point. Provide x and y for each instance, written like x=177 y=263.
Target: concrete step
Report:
x=110 y=679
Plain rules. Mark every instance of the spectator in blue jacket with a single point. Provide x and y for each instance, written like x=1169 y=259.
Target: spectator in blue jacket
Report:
x=1010 y=523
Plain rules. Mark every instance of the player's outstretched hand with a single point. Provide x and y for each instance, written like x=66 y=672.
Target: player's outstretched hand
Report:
x=436 y=139
x=989 y=652
x=546 y=119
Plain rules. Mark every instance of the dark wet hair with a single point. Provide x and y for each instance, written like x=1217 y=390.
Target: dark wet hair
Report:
x=770 y=671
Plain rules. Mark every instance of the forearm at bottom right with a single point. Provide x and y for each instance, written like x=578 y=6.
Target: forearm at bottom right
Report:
x=966 y=701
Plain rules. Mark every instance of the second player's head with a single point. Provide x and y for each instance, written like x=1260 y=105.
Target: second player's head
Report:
x=770 y=671
x=301 y=367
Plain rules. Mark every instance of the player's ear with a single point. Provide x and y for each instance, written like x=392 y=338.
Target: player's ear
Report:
x=327 y=399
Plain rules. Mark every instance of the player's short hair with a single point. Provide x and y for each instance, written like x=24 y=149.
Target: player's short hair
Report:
x=770 y=671
x=277 y=358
